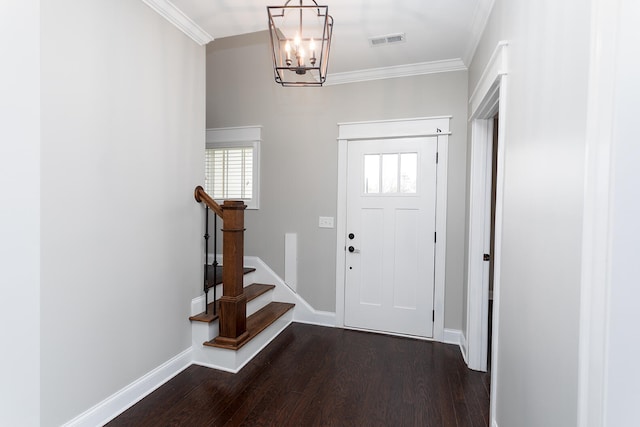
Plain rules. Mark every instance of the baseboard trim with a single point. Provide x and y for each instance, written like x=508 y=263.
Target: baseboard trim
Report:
x=455 y=336
x=451 y=336
x=303 y=311
x=123 y=399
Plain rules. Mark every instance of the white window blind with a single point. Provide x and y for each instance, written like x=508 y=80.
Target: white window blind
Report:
x=229 y=173
x=232 y=164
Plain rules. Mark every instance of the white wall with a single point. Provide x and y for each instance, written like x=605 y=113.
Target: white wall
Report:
x=122 y=141
x=20 y=214
x=537 y=357
x=622 y=396
x=299 y=155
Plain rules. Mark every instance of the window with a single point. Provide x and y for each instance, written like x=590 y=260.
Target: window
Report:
x=232 y=164
x=390 y=173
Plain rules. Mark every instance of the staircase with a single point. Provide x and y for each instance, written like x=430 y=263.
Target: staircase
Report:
x=231 y=330
x=265 y=320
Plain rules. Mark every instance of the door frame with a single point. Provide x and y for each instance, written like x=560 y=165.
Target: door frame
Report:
x=488 y=98
x=390 y=129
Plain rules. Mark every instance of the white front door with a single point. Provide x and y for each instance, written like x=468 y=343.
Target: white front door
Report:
x=390 y=248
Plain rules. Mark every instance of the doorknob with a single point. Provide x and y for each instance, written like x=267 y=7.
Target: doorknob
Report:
x=354 y=250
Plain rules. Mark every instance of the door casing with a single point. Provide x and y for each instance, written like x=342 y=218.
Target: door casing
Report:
x=415 y=127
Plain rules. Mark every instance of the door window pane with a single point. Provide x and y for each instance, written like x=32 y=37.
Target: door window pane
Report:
x=408 y=172
x=371 y=173
x=390 y=173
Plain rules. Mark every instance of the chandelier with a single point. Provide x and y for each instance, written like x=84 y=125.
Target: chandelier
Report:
x=300 y=39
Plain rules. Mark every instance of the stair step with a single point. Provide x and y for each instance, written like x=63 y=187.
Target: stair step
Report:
x=252 y=292
x=218 y=274
x=258 y=322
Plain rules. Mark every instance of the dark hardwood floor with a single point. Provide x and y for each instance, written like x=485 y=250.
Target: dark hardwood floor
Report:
x=316 y=376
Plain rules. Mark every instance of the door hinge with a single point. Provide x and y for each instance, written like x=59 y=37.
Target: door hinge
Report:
x=433 y=315
x=435 y=237
x=437 y=155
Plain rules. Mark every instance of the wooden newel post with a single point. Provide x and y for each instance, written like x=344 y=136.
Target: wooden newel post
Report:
x=233 y=303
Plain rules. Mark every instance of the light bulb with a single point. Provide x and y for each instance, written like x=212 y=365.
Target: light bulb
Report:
x=287 y=48
x=312 y=48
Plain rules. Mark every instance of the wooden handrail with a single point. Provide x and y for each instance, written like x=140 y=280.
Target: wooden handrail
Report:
x=201 y=196
x=233 y=303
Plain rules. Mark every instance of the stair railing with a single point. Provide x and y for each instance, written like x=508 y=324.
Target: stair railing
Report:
x=233 y=303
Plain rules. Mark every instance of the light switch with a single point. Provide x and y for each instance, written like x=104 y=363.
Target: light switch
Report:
x=325 y=222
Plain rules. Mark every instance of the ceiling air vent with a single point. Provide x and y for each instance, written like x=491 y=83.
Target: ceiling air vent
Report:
x=388 y=39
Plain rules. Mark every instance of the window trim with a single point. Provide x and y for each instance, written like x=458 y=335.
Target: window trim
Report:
x=237 y=137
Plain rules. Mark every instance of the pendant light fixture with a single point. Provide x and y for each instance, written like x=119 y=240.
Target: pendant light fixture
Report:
x=300 y=38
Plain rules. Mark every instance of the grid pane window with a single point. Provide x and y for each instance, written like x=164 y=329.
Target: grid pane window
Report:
x=390 y=173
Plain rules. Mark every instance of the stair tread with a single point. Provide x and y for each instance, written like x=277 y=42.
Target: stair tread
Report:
x=252 y=292
x=218 y=273
x=258 y=322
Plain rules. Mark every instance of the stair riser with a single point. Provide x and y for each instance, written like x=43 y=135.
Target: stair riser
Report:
x=202 y=332
x=233 y=361
x=247 y=279
x=259 y=302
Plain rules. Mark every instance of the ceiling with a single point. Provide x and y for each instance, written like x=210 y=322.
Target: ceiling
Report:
x=439 y=33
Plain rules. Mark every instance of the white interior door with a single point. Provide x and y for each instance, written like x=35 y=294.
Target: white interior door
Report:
x=390 y=241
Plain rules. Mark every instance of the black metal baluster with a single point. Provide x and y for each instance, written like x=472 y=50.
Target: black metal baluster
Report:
x=206 y=260
x=215 y=261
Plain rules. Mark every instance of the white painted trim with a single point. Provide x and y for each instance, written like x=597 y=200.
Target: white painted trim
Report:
x=303 y=311
x=596 y=229
x=341 y=230
x=497 y=66
x=423 y=126
x=440 y=266
x=180 y=20
x=291 y=260
x=489 y=96
x=479 y=23
x=452 y=336
x=497 y=254
x=382 y=129
x=456 y=337
x=408 y=70
x=118 y=402
x=479 y=243
x=463 y=346
x=234 y=134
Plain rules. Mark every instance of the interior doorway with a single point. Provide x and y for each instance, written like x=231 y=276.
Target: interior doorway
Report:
x=492 y=234
x=485 y=212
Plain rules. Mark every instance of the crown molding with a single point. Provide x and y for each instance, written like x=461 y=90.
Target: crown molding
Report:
x=479 y=23
x=171 y=13
x=396 y=71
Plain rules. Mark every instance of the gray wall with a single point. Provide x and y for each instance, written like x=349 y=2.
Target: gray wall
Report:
x=543 y=202
x=123 y=115
x=299 y=155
